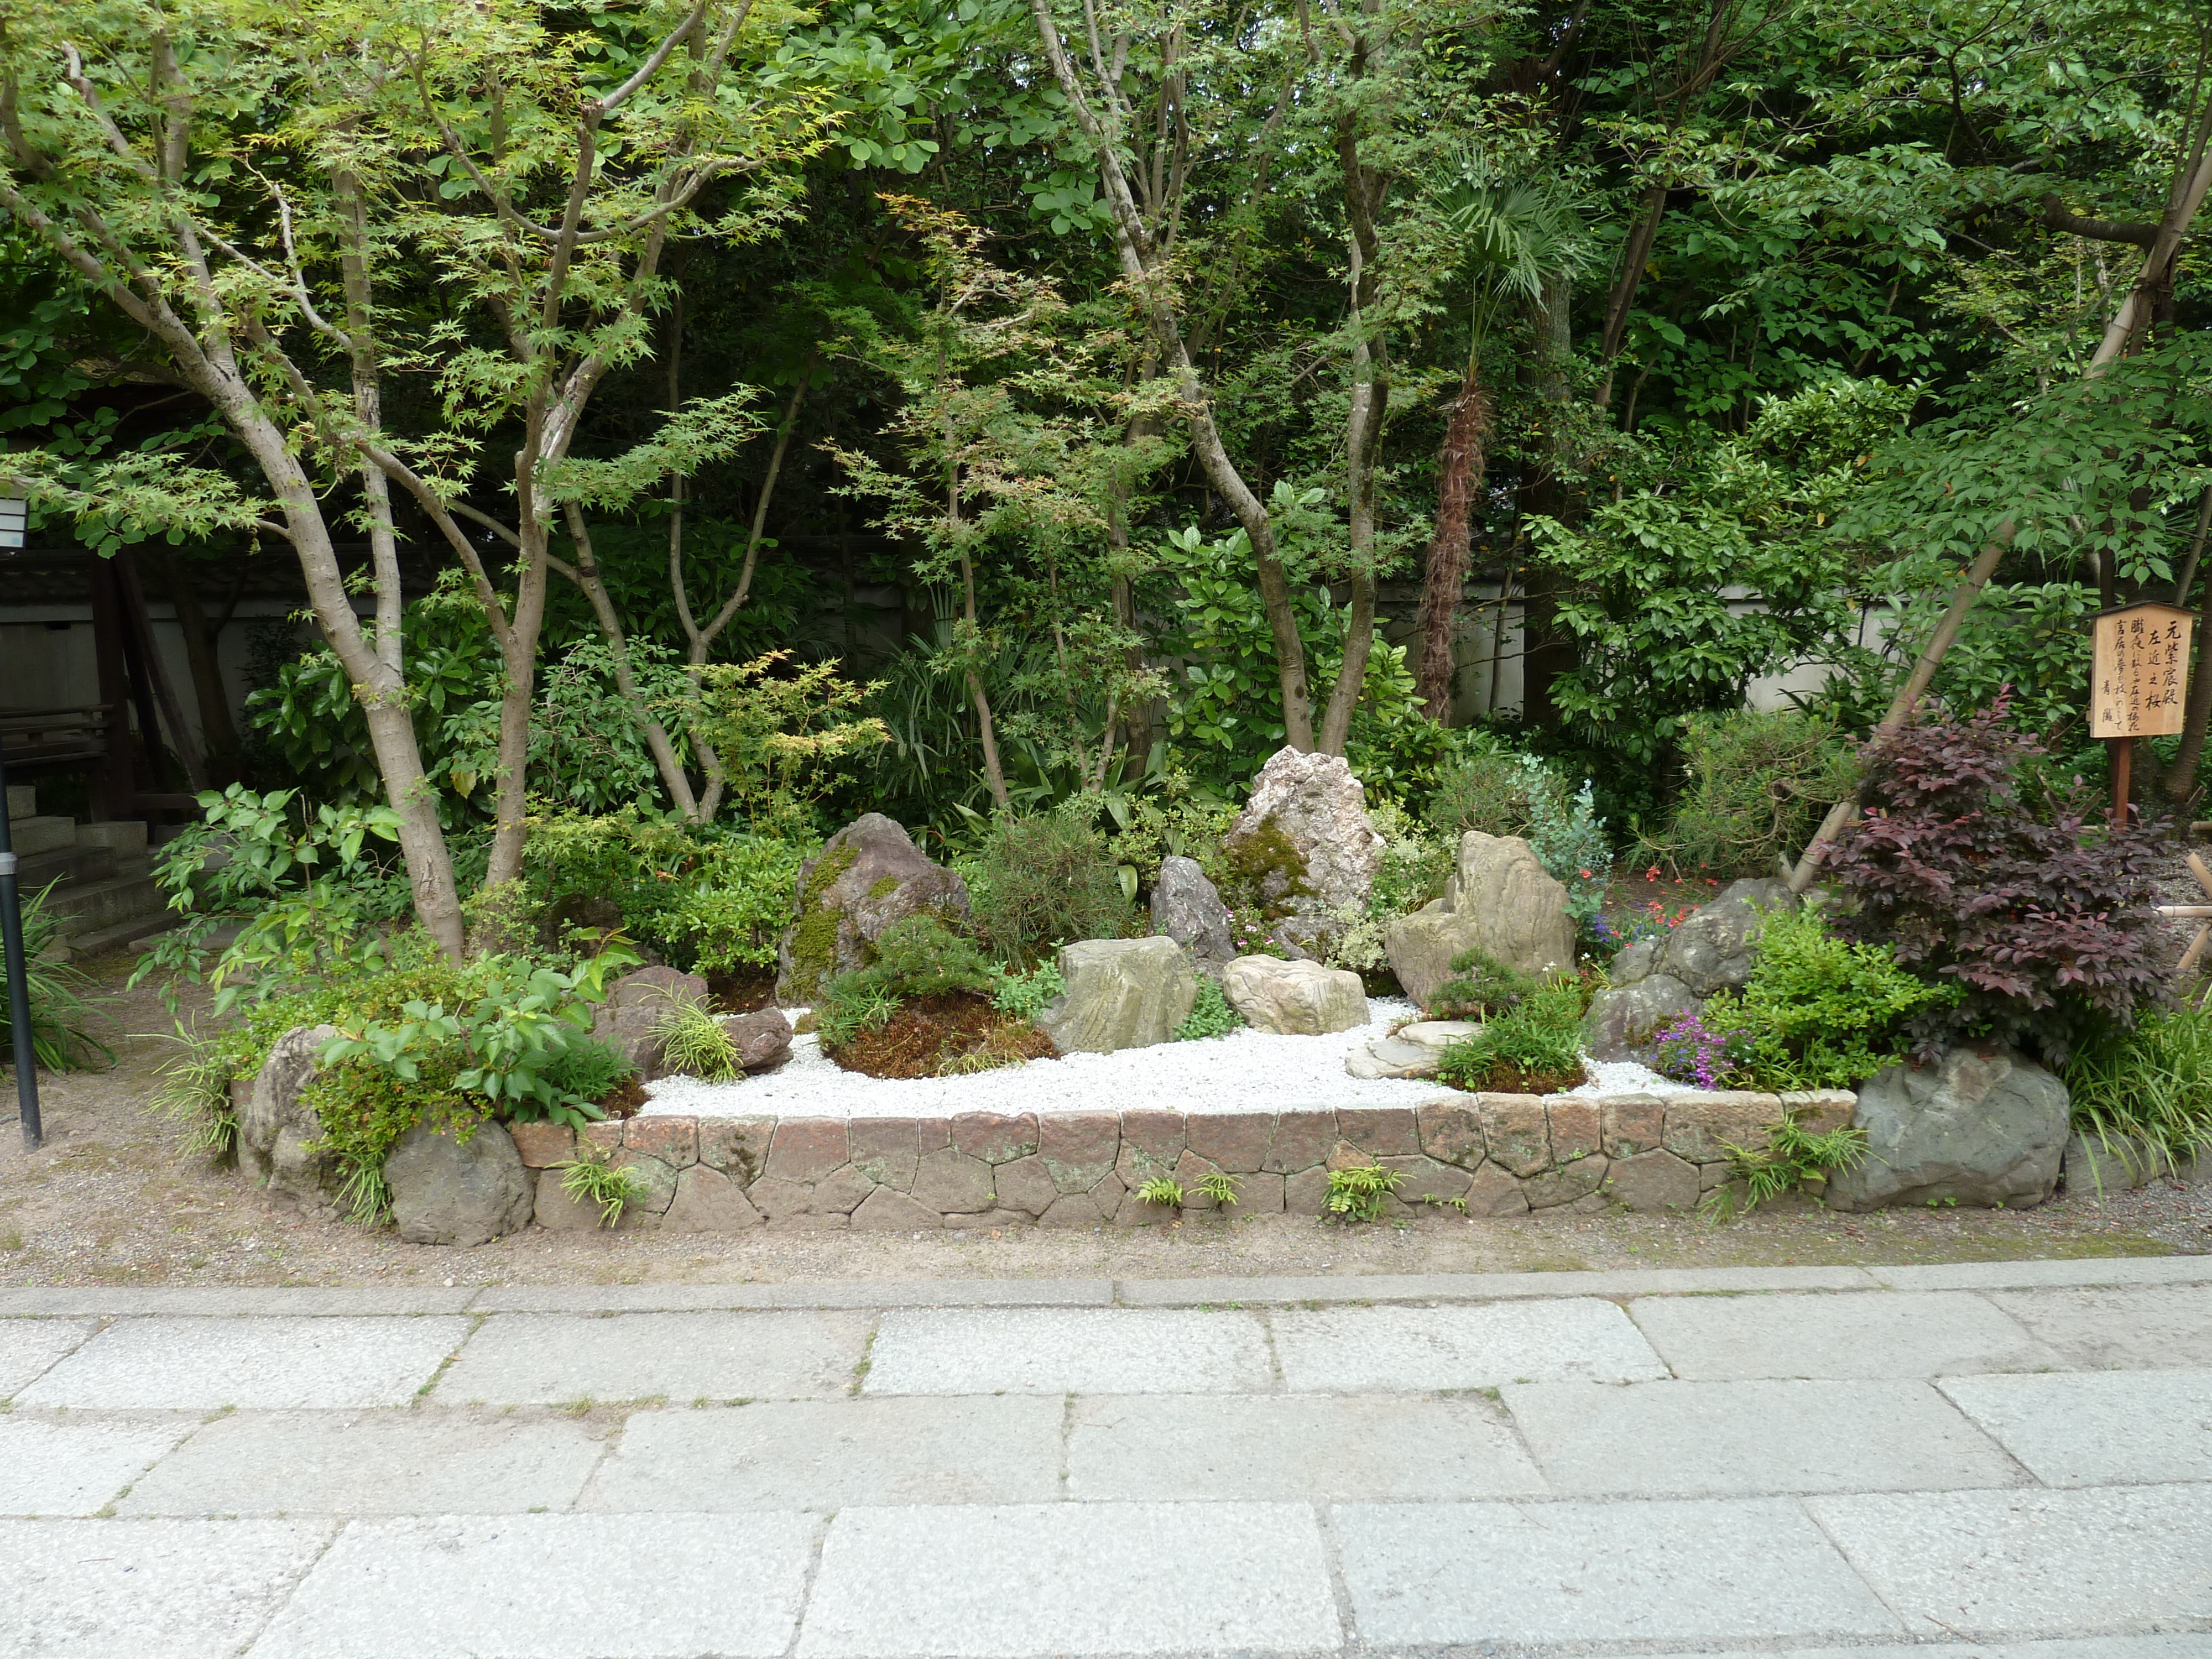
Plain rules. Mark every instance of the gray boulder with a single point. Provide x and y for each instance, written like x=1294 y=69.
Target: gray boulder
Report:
x=450 y=1192
x=629 y=1021
x=1294 y=998
x=1499 y=901
x=1122 y=993
x=1187 y=907
x=867 y=876
x=1304 y=835
x=279 y=1132
x=1985 y=1129
x=764 y=1038
x=1716 y=948
x=1622 y=1018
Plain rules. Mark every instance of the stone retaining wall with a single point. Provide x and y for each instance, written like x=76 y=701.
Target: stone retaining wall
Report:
x=1502 y=1155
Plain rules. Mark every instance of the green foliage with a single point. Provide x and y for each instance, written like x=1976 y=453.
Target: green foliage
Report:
x=1415 y=867
x=1219 y=1186
x=1481 y=985
x=786 y=735
x=2152 y=1083
x=1211 y=1014
x=1540 y=1034
x=59 y=1007
x=1047 y=879
x=694 y=1043
x=1163 y=1190
x=1356 y=1194
x=915 y=956
x=1179 y=824
x=1024 y=996
x=194 y=1091
x=1758 y=783
x=1500 y=791
x=592 y=1178
x=587 y=1070
x=1792 y=1154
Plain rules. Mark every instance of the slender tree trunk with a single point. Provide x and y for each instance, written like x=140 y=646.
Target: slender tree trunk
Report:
x=1651 y=212
x=519 y=656
x=1450 y=542
x=665 y=760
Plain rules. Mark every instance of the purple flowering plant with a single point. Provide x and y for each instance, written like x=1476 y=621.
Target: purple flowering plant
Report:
x=1687 y=1050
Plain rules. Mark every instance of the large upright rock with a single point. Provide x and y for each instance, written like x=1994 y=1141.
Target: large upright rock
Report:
x=1304 y=839
x=1980 y=1127
x=1500 y=902
x=1294 y=998
x=1187 y=907
x=867 y=876
x=279 y=1134
x=445 y=1191
x=1122 y=993
x=1654 y=980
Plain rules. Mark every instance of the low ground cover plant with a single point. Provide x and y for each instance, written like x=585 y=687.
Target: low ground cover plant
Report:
x=1534 y=1047
x=60 y=1010
x=926 y=1007
x=1356 y=1194
x=1211 y=1014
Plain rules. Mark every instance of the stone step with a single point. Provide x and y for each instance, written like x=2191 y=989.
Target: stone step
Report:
x=41 y=834
x=131 y=930
x=95 y=905
x=72 y=867
x=23 y=800
x=124 y=835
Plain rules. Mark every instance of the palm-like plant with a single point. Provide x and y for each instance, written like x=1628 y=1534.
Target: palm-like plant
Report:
x=1518 y=236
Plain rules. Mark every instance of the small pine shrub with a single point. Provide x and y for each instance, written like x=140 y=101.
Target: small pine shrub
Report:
x=1481 y=985
x=1758 y=782
x=918 y=956
x=1210 y=1016
x=1046 y=878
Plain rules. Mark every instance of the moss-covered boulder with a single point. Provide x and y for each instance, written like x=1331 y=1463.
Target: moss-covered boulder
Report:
x=867 y=876
x=1304 y=846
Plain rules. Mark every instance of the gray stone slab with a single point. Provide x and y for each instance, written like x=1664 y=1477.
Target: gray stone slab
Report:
x=1695 y=1439
x=2097 y=1428
x=2087 y=1647
x=1070 y=1351
x=1895 y=1334
x=550 y=1587
x=145 y=1590
x=530 y=1359
x=801 y=1293
x=827 y=1454
x=1479 y=1287
x=198 y=1365
x=423 y=1462
x=210 y=1300
x=1979 y=1565
x=1711 y=1569
x=1290 y=1447
x=31 y=1347
x=1392 y=1350
x=2028 y=1275
x=2124 y=1329
x=1069 y=1578
x=75 y=1465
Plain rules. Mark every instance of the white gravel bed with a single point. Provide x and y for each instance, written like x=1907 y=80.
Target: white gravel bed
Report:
x=1246 y=1072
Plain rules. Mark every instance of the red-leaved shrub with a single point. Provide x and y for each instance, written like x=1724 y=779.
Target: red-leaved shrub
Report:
x=2045 y=917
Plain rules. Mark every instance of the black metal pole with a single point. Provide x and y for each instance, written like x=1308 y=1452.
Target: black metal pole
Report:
x=19 y=979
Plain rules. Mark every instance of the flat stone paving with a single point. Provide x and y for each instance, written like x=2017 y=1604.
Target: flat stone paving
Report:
x=2013 y=1461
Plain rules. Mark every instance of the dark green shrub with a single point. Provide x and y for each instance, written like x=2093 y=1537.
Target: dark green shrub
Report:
x=1539 y=1038
x=1481 y=985
x=1044 y=879
x=586 y=1069
x=1758 y=783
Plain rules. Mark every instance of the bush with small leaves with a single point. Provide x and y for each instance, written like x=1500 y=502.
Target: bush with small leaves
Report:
x=1211 y=1014
x=1356 y=1194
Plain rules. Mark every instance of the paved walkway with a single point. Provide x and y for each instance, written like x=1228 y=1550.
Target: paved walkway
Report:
x=2010 y=1460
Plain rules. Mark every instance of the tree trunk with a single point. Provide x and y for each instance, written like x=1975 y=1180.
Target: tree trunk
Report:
x=666 y=760
x=518 y=655
x=1634 y=257
x=1459 y=475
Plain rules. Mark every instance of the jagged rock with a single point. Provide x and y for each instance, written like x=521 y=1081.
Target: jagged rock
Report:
x=1187 y=908
x=1622 y=1019
x=278 y=1134
x=1411 y=1051
x=764 y=1038
x=1122 y=993
x=1980 y=1127
x=1715 y=948
x=1499 y=901
x=1294 y=998
x=1304 y=839
x=449 y=1192
x=867 y=876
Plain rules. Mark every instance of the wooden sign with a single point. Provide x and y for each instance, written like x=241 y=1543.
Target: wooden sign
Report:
x=2139 y=678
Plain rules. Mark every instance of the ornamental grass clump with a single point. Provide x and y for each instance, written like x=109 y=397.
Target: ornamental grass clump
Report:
x=1533 y=1047
x=2151 y=1085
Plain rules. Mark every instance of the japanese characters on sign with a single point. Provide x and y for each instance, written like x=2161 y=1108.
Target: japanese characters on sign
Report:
x=2139 y=676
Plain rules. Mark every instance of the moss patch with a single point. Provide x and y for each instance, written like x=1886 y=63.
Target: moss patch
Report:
x=885 y=888
x=814 y=935
x=1266 y=864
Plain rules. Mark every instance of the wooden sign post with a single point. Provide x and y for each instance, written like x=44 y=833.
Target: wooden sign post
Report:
x=2139 y=682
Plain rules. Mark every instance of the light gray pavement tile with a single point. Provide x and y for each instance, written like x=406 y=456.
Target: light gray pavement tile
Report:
x=2019 y=1275
x=827 y=1454
x=2138 y=1328
x=75 y=1465
x=1699 y=1568
x=797 y=1293
x=550 y=1587
x=1292 y=1448
x=1897 y=1334
x=1480 y=1287
x=144 y=1589
x=375 y=1462
x=1069 y=1578
x=1691 y=1439
x=2097 y=1428
x=2086 y=1647
x=1388 y=1350
x=1984 y=1565
x=186 y=1365
x=1068 y=1351
x=29 y=1348
x=530 y=1359
x=212 y=1301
